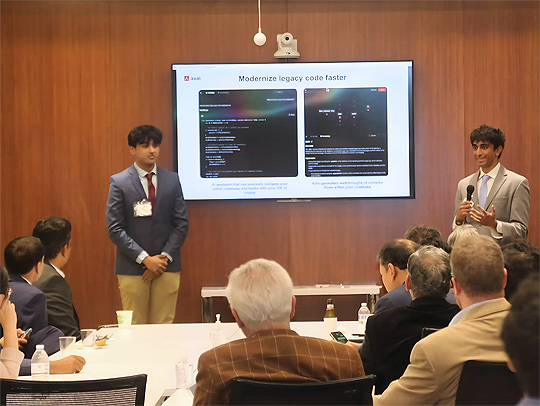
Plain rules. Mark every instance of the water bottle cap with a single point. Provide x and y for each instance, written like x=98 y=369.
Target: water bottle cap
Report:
x=364 y=304
x=217 y=324
x=40 y=346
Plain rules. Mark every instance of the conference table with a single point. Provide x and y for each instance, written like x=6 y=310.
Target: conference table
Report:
x=155 y=349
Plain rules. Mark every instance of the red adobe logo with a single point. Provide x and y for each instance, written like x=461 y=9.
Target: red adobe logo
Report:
x=186 y=78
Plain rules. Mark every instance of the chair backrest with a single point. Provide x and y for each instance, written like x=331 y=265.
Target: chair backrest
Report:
x=487 y=383
x=354 y=391
x=124 y=391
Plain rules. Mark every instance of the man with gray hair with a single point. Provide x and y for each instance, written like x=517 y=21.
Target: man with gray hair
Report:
x=391 y=334
x=436 y=361
x=460 y=232
x=260 y=295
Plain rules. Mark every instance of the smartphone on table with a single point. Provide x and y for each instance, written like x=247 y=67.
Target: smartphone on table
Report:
x=339 y=337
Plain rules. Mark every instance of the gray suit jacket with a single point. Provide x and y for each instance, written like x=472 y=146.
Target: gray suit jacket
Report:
x=164 y=231
x=510 y=196
x=437 y=360
x=60 y=307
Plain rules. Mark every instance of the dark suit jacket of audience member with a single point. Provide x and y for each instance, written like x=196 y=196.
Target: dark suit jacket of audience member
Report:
x=30 y=304
x=60 y=309
x=398 y=297
x=391 y=335
x=401 y=297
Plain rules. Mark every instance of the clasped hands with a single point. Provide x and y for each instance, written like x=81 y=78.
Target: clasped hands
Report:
x=154 y=266
x=480 y=216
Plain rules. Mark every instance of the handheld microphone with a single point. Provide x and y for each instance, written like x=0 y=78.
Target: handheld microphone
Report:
x=470 y=190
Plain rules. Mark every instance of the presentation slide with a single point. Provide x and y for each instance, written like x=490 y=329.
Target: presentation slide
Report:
x=294 y=130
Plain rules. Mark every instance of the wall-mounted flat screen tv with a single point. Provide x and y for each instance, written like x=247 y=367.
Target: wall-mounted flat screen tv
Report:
x=294 y=130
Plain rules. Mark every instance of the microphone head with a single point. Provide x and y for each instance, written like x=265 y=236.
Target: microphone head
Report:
x=470 y=190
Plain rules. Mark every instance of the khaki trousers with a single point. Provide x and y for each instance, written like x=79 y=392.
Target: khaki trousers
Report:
x=152 y=302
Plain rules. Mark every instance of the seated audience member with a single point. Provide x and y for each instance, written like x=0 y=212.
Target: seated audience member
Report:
x=473 y=334
x=260 y=295
x=55 y=235
x=459 y=232
x=438 y=243
x=391 y=335
x=392 y=259
x=24 y=261
x=520 y=260
x=422 y=232
x=24 y=258
x=520 y=334
x=10 y=356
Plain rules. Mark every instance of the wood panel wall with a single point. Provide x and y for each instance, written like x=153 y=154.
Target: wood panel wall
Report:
x=77 y=76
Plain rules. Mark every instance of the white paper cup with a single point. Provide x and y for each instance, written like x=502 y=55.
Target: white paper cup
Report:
x=65 y=342
x=330 y=324
x=87 y=337
x=124 y=318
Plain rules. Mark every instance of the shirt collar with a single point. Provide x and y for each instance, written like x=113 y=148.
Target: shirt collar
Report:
x=463 y=312
x=493 y=173
x=62 y=274
x=27 y=281
x=142 y=173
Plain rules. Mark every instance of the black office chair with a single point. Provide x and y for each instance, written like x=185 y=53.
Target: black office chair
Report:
x=354 y=391
x=124 y=391
x=487 y=383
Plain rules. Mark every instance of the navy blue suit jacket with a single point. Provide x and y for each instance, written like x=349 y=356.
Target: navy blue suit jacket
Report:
x=400 y=297
x=164 y=231
x=30 y=304
x=395 y=298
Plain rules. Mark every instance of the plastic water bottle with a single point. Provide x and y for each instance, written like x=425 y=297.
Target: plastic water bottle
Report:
x=216 y=335
x=39 y=365
x=363 y=314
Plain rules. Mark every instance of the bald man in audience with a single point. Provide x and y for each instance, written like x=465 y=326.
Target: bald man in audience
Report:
x=260 y=295
x=437 y=360
x=392 y=259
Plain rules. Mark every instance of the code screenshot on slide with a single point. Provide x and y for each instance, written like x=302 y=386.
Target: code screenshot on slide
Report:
x=248 y=133
x=346 y=132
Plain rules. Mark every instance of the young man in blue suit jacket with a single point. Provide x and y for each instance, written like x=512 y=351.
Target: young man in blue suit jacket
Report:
x=147 y=220
x=24 y=259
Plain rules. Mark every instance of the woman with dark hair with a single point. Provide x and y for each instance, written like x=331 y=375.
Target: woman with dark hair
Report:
x=10 y=356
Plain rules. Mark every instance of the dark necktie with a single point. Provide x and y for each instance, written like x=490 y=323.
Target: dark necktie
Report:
x=151 y=189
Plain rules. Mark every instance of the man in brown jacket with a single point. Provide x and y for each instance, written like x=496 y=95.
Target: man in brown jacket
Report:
x=261 y=300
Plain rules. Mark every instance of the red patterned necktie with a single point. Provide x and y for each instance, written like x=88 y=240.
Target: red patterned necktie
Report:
x=151 y=189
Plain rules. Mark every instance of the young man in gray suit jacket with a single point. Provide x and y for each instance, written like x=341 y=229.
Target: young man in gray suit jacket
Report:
x=499 y=205
x=147 y=220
